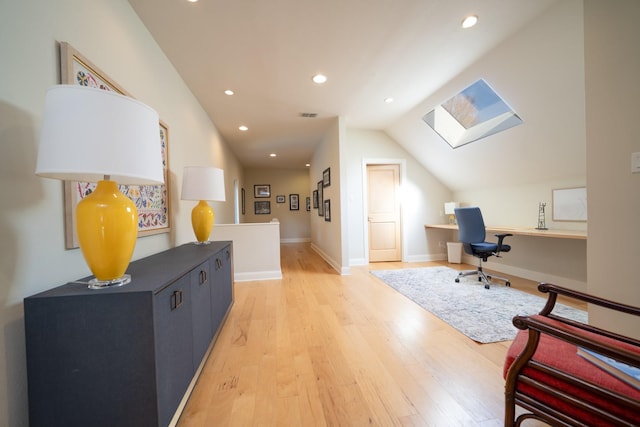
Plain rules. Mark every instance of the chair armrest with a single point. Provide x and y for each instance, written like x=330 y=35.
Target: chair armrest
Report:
x=555 y=290
x=575 y=332
x=595 y=339
x=500 y=239
x=545 y=374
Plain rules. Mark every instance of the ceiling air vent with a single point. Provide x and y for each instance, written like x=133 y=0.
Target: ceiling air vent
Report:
x=309 y=115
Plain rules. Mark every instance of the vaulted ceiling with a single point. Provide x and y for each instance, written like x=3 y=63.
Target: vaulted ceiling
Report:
x=370 y=50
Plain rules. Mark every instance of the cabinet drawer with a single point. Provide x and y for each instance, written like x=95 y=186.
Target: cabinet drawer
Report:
x=174 y=346
x=201 y=280
x=222 y=287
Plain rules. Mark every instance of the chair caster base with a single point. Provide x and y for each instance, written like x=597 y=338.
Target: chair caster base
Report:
x=457 y=280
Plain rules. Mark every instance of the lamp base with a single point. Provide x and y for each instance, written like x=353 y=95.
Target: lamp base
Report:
x=202 y=221
x=104 y=284
x=206 y=242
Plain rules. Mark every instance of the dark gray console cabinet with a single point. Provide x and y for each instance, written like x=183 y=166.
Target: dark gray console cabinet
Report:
x=126 y=356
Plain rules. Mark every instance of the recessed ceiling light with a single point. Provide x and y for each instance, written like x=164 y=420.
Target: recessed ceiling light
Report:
x=192 y=1
x=388 y=100
x=228 y=91
x=272 y=155
x=469 y=21
x=308 y=165
x=319 y=79
x=243 y=128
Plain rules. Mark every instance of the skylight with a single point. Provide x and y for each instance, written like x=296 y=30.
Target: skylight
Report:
x=474 y=113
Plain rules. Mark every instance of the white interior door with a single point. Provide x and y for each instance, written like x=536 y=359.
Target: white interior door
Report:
x=383 y=211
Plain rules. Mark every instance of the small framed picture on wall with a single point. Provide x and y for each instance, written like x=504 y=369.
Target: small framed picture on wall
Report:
x=280 y=198
x=294 y=202
x=262 y=208
x=320 y=196
x=327 y=210
x=262 y=190
x=326 y=177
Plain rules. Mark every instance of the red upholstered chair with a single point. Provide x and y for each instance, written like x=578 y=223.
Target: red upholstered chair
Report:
x=545 y=375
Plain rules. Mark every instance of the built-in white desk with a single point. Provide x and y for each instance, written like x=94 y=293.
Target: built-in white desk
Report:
x=523 y=231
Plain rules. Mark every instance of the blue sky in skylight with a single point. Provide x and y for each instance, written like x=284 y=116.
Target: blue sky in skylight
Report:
x=475 y=104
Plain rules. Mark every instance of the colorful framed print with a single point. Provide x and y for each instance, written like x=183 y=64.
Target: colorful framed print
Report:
x=152 y=201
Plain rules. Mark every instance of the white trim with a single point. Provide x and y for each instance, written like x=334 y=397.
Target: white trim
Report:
x=535 y=276
x=257 y=275
x=296 y=240
x=427 y=258
x=345 y=271
x=358 y=261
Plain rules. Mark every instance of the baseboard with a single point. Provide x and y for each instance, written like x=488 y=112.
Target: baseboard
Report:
x=344 y=271
x=536 y=276
x=296 y=240
x=358 y=261
x=426 y=258
x=257 y=275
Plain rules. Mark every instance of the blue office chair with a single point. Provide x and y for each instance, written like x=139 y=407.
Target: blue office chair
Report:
x=472 y=234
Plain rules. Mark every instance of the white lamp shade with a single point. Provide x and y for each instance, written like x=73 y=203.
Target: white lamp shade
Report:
x=90 y=133
x=203 y=183
x=449 y=208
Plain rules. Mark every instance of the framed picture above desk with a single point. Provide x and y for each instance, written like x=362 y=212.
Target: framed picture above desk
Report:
x=569 y=204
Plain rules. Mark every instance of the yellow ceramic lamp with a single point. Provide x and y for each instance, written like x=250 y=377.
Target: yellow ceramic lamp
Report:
x=202 y=184
x=202 y=218
x=107 y=227
x=92 y=135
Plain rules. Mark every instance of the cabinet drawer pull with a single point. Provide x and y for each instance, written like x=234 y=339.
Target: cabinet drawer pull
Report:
x=176 y=299
x=218 y=263
x=203 y=276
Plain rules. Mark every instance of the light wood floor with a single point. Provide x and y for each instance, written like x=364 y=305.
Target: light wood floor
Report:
x=317 y=348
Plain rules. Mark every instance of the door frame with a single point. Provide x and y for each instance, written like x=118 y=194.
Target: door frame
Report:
x=402 y=163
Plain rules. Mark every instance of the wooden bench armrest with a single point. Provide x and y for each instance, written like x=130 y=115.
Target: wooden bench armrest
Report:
x=588 y=337
x=546 y=383
x=554 y=290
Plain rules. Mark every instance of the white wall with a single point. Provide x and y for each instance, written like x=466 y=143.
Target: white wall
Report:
x=328 y=238
x=294 y=225
x=33 y=257
x=612 y=68
x=256 y=249
x=423 y=197
x=540 y=72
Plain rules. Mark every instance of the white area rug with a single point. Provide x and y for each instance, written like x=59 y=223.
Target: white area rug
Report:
x=484 y=315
